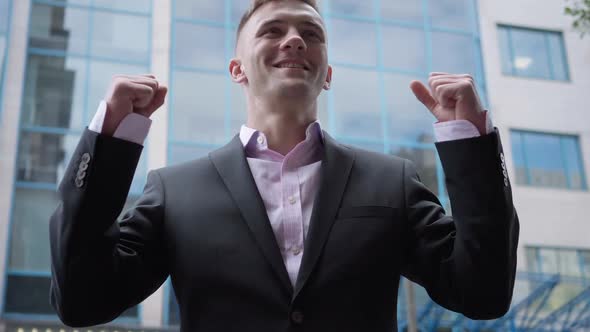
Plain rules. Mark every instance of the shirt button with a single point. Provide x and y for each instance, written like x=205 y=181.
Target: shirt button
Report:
x=297 y=317
x=292 y=200
x=260 y=140
x=296 y=250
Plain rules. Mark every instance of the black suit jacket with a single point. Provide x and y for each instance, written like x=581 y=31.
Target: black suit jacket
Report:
x=204 y=224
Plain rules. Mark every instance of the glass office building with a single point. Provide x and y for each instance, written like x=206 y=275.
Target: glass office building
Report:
x=57 y=58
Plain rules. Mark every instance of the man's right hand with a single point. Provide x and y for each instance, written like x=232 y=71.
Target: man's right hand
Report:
x=141 y=94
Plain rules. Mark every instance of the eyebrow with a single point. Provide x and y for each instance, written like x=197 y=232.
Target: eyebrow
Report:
x=279 y=21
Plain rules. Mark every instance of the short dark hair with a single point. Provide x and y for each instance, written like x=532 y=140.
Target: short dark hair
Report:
x=255 y=4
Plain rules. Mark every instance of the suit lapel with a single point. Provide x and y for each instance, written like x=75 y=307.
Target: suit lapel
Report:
x=335 y=170
x=231 y=164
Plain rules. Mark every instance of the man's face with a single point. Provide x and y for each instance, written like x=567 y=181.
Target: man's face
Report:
x=282 y=52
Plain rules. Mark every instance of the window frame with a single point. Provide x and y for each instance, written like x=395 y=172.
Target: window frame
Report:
x=551 y=64
x=527 y=181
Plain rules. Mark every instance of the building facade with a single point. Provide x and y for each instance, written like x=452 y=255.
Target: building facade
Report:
x=57 y=58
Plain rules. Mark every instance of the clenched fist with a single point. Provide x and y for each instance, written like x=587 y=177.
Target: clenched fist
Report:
x=127 y=94
x=452 y=97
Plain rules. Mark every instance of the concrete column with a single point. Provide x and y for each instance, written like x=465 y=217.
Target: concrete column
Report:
x=16 y=58
x=153 y=307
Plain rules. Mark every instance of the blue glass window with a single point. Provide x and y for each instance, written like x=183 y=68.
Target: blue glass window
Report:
x=353 y=42
x=532 y=53
x=547 y=160
x=402 y=10
x=569 y=262
x=352 y=8
x=451 y=14
x=74 y=49
x=357 y=100
x=407 y=56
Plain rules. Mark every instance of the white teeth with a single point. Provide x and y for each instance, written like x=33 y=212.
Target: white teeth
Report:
x=291 y=65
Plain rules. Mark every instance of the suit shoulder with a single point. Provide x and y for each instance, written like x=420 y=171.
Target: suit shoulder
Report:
x=186 y=169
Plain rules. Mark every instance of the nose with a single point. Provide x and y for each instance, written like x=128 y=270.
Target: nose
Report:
x=293 y=41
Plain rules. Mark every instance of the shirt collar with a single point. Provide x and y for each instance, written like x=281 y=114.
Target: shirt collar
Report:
x=251 y=137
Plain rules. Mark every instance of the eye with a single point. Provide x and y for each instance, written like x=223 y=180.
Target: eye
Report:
x=273 y=31
x=311 y=33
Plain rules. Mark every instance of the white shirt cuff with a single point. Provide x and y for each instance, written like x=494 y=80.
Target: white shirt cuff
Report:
x=134 y=127
x=459 y=129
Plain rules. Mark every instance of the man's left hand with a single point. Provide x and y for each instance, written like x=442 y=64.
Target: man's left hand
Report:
x=453 y=97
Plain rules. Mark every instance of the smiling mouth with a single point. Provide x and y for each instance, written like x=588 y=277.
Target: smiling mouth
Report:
x=291 y=66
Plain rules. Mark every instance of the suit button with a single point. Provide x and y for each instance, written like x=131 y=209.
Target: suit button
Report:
x=79 y=182
x=83 y=166
x=297 y=317
x=81 y=174
x=86 y=158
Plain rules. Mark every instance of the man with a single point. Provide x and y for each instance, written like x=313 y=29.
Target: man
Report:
x=283 y=229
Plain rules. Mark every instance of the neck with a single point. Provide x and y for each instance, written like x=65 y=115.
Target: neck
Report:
x=283 y=125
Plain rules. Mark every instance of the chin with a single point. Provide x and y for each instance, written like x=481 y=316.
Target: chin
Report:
x=295 y=90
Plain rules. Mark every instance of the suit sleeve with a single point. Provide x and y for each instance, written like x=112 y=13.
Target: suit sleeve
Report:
x=466 y=262
x=101 y=267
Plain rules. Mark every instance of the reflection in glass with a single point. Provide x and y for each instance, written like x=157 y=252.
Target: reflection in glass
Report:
x=518 y=157
x=44 y=157
x=404 y=48
x=446 y=56
x=200 y=10
x=544 y=160
x=533 y=53
x=505 y=49
x=182 y=153
x=585 y=260
x=353 y=42
x=199 y=46
x=557 y=56
x=408 y=119
x=173 y=310
x=573 y=162
x=121 y=37
x=352 y=8
x=548 y=160
x=199 y=107
x=549 y=261
x=28 y=294
x=403 y=10
x=239 y=112
x=59 y=28
x=30 y=234
x=54 y=92
x=425 y=162
x=238 y=8
x=532 y=262
x=569 y=265
x=454 y=14
x=530 y=55
x=356 y=103
x=375 y=147
x=4 y=15
x=140 y=6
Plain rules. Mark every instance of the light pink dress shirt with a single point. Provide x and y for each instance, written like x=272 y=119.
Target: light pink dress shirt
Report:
x=287 y=184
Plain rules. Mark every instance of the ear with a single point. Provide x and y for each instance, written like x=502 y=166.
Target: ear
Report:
x=328 y=82
x=236 y=71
